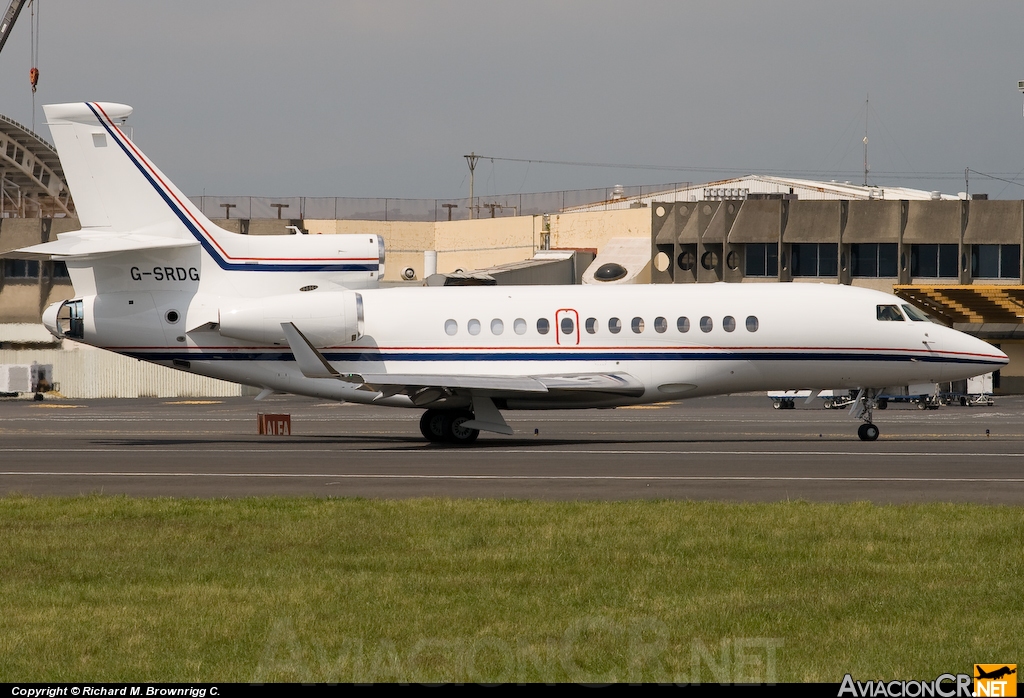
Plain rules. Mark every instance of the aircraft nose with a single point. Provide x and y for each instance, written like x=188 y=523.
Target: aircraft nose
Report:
x=991 y=358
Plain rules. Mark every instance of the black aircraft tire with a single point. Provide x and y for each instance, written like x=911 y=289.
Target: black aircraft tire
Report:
x=455 y=433
x=868 y=432
x=432 y=426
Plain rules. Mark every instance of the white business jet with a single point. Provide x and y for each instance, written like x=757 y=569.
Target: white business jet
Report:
x=155 y=279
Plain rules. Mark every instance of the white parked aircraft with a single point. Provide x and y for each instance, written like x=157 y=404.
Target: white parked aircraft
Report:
x=156 y=280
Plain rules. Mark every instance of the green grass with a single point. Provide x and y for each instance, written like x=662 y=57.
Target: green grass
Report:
x=118 y=589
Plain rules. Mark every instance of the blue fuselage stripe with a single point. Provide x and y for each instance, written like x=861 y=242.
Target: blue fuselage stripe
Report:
x=535 y=356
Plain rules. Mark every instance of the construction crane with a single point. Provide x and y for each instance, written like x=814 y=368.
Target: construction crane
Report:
x=10 y=17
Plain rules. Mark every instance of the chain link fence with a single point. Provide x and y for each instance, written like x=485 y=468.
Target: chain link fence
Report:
x=352 y=208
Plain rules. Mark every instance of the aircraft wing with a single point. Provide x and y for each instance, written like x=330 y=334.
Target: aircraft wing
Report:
x=86 y=244
x=313 y=365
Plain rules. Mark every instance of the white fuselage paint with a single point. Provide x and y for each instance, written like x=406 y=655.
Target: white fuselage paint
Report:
x=822 y=336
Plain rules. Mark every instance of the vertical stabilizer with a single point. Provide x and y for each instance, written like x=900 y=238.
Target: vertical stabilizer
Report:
x=115 y=187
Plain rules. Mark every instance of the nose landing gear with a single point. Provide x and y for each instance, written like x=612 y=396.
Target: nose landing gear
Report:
x=867 y=432
x=863 y=407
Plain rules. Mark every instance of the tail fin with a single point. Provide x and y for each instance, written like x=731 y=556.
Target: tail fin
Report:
x=115 y=187
x=126 y=204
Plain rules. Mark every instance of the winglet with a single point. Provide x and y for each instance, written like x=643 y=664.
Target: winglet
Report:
x=311 y=362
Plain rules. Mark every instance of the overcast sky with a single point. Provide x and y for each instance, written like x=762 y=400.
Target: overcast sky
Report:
x=382 y=99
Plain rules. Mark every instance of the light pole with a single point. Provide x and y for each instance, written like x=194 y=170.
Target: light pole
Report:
x=471 y=159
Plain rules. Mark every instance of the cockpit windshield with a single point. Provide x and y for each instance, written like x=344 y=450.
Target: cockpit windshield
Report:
x=888 y=312
x=915 y=314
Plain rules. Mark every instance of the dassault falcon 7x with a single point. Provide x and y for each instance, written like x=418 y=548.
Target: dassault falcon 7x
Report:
x=155 y=279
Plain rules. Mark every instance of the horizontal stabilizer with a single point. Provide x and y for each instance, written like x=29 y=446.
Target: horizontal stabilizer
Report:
x=87 y=244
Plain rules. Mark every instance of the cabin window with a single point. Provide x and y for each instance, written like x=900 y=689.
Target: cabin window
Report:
x=815 y=259
x=591 y=325
x=497 y=326
x=519 y=326
x=660 y=325
x=888 y=313
x=637 y=325
x=915 y=314
x=543 y=325
x=762 y=259
x=995 y=261
x=567 y=325
x=683 y=324
x=706 y=324
x=873 y=259
x=934 y=261
x=752 y=323
x=614 y=325
x=473 y=326
x=728 y=323
x=451 y=327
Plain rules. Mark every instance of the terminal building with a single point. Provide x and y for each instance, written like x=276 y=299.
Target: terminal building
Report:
x=957 y=257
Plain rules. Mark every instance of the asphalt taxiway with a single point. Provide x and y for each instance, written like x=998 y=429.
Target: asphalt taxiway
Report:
x=733 y=448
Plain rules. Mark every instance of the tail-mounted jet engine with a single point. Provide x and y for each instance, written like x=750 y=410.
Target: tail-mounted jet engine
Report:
x=327 y=319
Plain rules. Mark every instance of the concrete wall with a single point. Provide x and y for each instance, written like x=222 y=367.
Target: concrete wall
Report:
x=593 y=229
x=474 y=244
x=1011 y=378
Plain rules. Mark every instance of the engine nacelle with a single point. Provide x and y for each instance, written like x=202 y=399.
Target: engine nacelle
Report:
x=327 y=319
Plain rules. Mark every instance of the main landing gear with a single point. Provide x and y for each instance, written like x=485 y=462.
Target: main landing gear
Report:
x=446 y=427
x=863 y=407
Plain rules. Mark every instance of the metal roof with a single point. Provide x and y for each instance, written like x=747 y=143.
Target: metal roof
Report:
x=972 y=304
x=744 y=187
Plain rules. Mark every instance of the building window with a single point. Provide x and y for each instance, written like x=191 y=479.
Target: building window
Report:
x=762 y=259
x=21 y=269
x=687 y=258
x=59 y=271
x=873 y=259
x=933 y=261
x=995 y=261
x=815 y=259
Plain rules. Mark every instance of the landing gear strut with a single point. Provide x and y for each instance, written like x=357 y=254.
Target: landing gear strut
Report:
x=446 y=426
x=863 y=407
